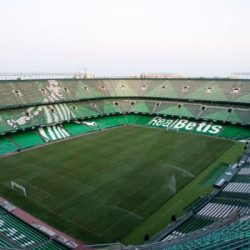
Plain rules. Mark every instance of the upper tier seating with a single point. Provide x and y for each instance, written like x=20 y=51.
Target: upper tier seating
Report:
x=30 y=92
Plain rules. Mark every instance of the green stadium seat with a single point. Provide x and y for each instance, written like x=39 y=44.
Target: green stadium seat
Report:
x=19 y=232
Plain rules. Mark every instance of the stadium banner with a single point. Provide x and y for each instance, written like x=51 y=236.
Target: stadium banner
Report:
x=186 y=125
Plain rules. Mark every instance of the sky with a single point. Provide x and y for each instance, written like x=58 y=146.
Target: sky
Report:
x=125 y=37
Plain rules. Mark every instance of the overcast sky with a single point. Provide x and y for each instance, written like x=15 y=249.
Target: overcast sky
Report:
x=115 y=37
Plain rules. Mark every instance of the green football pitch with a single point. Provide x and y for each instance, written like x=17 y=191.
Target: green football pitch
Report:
x=103 y=186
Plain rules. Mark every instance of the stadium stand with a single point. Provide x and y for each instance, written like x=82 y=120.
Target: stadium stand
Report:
x=108 y=107
x=141 y=106
x=233 y=236
x=19 y=119
x=15 y=233
x=30 y=92
x=53 y=133
x=26 y=140
x=4 y=244
x=6 y=146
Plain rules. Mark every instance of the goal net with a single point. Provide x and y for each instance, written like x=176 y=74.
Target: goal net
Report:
x=173 y=129
x=17 y=186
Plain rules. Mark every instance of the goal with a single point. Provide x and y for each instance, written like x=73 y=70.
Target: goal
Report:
x=173 y=129
x=15 y=185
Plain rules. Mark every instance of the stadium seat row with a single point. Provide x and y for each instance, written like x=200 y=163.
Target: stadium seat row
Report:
x=22 y=118
x=14 y=233
x=30 y=92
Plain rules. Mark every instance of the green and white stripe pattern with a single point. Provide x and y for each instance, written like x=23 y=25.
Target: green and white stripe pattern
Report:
x=53 y=133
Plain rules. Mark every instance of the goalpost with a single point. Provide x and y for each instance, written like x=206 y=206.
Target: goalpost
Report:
x=173 y=129
x=15 y=185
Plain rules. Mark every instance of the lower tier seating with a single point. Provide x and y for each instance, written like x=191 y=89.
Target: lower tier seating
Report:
x=233 y=197
x=233 y=236
x=15 y=234
x=18 y=141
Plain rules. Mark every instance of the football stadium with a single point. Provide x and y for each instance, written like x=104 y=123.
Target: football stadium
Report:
x=124 y=125
x=125 y=163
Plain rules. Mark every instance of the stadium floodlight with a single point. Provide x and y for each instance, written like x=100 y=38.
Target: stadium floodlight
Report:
x=15 y=185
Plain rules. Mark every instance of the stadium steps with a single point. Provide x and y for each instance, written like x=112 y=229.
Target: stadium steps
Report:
x=125 y=106
x=179 y=109
x=86 y=109
x=108 y=107
x=199 y=113
x=233 y=117
x=97 y=109
x=140 y=107
x=214 y=113
x=155 y=108
x=243 y=115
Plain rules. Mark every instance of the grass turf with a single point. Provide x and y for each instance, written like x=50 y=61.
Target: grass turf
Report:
x=102 y=186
